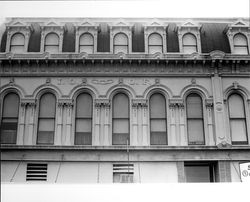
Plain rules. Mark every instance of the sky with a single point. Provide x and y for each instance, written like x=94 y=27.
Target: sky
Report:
x=126 y=8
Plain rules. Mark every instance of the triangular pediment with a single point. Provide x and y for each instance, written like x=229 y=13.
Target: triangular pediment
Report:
x=86 y=24
x=18 y=24
x=239 y=23
x=155 y=24
x=121 y=24
x=189 y=24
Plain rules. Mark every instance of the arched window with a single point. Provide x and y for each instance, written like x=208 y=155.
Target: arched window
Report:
x=240 y=44
x=9 y=120
x=120 y=119
x=237 y=119
x=155 y=43
x=17 y=43
x=46 y=119
x=189 y=43
x=120 y=43
x=51 y=44
x=83 y=127
x=195 y=124
x=86 y=43
x=158 y=121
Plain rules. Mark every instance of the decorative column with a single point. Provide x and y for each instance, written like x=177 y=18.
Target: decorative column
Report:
x=182 y=134
x=21 y=124
x=31 y=140
x=209 y=107
x=173 y=133
x=134 y=121
x=59 y=124
x=145 y=132
x=107 y=138
x=69 y=109
x=220 y=128
x=97 y=124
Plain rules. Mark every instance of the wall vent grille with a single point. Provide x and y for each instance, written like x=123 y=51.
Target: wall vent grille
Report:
x=36 y=172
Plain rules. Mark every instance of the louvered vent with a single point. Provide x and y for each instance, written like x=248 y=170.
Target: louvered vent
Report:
x=36 y=172
x=123 y=173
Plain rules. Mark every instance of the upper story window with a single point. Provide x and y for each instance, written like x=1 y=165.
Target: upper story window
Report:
x=155 y=43
x=83 y=123
x=51 y=43
x=17 y=43
x=9 y=120
x=240 y=44
x=189 y=43
x=46 y=119
x=195 y=126
x=120 y=43
x=86 y=43
x=237 y=119
x=120 y=115
x=158 y=122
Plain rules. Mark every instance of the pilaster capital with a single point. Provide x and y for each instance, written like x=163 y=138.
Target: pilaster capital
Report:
x=102 y=103
x=139 y=103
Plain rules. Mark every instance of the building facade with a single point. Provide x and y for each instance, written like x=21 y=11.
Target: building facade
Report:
x=124 y=100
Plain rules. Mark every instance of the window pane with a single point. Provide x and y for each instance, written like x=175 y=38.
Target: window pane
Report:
x=158 y=138
x=83 y=125
x=189 y=39
x=86 y=39
x=155 y=39
x=241 y=50
x=17 y=39
x=197 y=173
x=11 y=105
x=46 y=125
x=195 y=132
x=47 y=106
x=194 y=106
x=17 y=49
x=83 y=138
x=120 y=125
x=236 y=106
x=45 y=137
x=158 y=125
x=189 y=49
x=52 y=39
x=8 y=131
x=87 y=49
x=157 y=106
x=84 y=106
x=51 y=49
x=238 y=130
x=120 y=39
x=122 y=49
x=120 y=138
x=120 y=106
x=240 y=40
x=154 y=49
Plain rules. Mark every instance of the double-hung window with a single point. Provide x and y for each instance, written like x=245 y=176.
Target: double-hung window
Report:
x=189 y=43
x=51 y=44
x=240 y=44
x=237 y=119
x=120 y=43
x=83 y=127
x=158 y=121
x=86 y=43
x=195 y=126
x=46 y=119
x=155 y=43
x=17 y=43
x=9 y=120
x=120 y=119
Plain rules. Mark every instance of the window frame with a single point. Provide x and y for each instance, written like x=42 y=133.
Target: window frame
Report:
x=149 y=45
x=165 y=119
x=202 y=119
x=75 y=117
x=57 y=45
x=245 y=46
x=45 y=118
x=93 y=44
x=245 y=119
x=183 y=45
x=114 y=45
x=17 y=118
x=23 y=45
x=128 y=119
